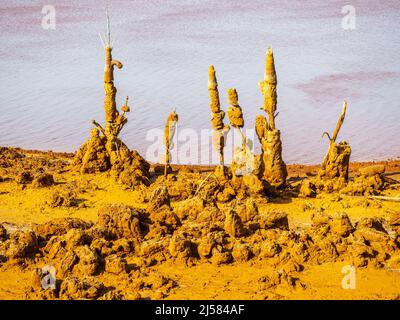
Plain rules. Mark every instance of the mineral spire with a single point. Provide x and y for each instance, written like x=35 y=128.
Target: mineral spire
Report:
x=169 y=132
x=220 y=130
x=273 y=167
x=235 y=113
x=101 y=153
x=337 y=159
x=268 y=88
x=243 y=158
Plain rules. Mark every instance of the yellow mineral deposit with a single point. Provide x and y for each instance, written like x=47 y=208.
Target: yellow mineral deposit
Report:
x=220 y=130
x=273 y=167
x=235 y=113
x=196 y=234
x=337 y=159
x=268 y=88
x=169 y=132
x=243 y=158
x=106 y=152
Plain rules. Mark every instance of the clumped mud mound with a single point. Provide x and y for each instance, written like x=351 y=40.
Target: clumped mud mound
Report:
x=82 y=251
x=188 y=219
x=366 y=182
x=34 y=169
x=127 y=242
x=128 y=167
x=104 y=151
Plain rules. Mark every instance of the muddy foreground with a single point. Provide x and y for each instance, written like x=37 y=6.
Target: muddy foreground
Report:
x=175 y=239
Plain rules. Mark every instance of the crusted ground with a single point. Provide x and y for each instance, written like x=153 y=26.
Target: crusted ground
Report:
x=176 y=239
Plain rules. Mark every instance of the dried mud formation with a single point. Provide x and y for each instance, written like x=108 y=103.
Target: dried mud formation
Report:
x=169 y=132
x=188 y=217
x=128 y=242
x=240 y=179
x=220 y=130
x=243 y=158
x=33 y=172
x=273 y=168
x=333 y=175
x=104 y=150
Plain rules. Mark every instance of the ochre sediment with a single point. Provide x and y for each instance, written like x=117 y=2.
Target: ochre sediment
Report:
x=235 y=113
x=159 y=241
x=220 y=130
x=333 y=175
x=104 y=150
x=169 y=132
x=243 y=161
x=135 y=233
x=273 y=168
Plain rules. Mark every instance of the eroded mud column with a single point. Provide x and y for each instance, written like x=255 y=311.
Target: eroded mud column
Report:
x=220 y=130
x=169 y=132
x=106 y=151
x=337 y=159
x=273 y=168
x=243 y=158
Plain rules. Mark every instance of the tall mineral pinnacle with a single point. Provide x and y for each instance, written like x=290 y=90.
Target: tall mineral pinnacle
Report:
x=114 y=120
x=106 y=152
x=243 y=158
x=235 y=113
x=169 y=132
x=268 y=88
x=337 y=159
x=110 y=108
x=273 y=167
x=220 y=130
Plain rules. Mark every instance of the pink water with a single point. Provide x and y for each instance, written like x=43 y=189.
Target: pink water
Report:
x=51 y=80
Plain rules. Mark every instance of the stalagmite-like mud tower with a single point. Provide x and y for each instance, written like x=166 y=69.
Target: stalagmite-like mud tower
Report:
x=337 y=159
x=235 y=113
x=106 y=151
x=169 y=132
x=243 y=158
x=220 y=130
x=273 y=169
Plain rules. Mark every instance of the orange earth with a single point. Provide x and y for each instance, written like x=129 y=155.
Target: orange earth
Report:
x=176 y=272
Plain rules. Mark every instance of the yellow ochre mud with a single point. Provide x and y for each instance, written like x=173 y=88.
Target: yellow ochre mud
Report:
x=112 y=226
